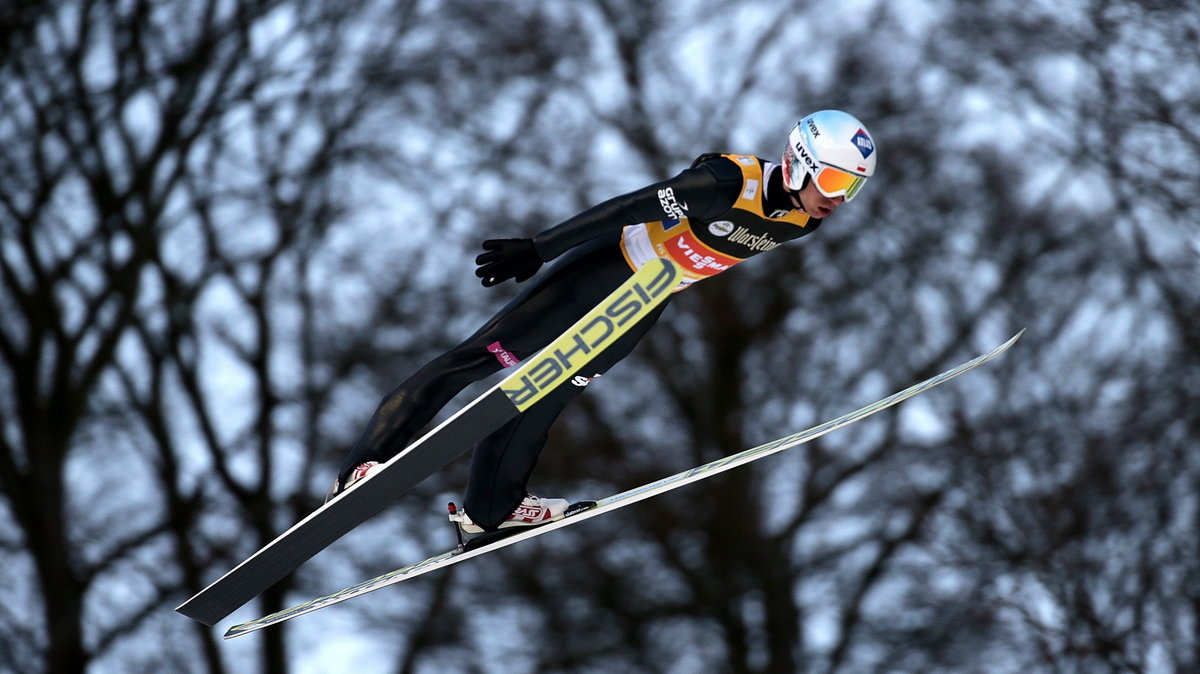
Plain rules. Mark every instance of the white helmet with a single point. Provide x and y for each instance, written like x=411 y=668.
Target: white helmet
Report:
x=834 y=149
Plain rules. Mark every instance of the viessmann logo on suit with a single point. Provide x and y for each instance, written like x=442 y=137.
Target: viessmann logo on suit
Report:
x=697 y=260
x=602 y=326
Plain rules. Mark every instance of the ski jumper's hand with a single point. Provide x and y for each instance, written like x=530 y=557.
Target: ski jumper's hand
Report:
x=505 y=259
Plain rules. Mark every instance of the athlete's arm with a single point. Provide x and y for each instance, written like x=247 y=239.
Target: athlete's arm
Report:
x=706 y=190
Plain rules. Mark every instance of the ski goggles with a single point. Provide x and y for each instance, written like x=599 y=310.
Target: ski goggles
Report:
x=834 y=182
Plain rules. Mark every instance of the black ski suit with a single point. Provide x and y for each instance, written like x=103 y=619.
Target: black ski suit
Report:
x=720 y=211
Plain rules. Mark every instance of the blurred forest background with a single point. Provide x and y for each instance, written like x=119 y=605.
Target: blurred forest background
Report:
x=230 y=226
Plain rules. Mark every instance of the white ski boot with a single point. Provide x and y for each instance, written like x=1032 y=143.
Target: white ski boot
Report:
x=360 y=472
x=531 y=512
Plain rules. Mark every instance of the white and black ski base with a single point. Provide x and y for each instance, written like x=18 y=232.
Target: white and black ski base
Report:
x=469 y=549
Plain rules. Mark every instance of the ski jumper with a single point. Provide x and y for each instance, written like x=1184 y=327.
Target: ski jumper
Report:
x=720 y=211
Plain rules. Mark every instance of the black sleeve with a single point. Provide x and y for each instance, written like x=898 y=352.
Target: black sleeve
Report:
x=707 y=189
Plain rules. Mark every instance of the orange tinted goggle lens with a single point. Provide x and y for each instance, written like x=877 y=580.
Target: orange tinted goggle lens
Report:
x=835 y=181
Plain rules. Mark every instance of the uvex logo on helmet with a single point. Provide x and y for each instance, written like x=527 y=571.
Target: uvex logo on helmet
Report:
x=809 y=162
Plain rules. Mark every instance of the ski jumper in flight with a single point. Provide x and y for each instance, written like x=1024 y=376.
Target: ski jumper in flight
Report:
x=720 y=211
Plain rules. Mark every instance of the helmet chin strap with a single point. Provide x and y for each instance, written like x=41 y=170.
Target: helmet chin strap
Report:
x=795 y=196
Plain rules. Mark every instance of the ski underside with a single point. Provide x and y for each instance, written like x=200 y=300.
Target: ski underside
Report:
x=587 y=510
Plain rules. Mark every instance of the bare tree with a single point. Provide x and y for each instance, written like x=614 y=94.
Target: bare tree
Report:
x=928 y=539
x=228 y=228
x=171 y=179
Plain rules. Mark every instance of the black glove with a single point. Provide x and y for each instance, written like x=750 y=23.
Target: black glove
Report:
x=505 y=259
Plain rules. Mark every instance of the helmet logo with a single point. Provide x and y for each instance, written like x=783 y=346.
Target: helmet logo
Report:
x=863 y=142
x=811 y=163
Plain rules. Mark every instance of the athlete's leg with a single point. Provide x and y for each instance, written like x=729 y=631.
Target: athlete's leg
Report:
x=551 y=304
x=502 y=462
